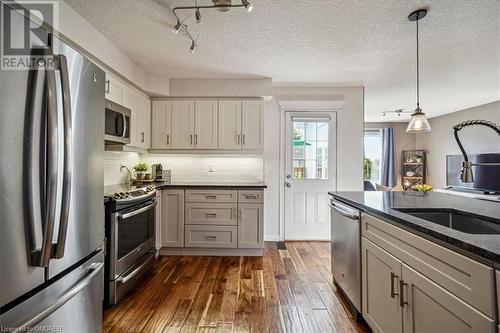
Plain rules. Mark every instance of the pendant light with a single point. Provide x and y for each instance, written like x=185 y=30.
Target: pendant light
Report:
x=418 y=122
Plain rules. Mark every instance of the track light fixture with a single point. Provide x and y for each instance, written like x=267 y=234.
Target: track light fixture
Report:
x=220 y=5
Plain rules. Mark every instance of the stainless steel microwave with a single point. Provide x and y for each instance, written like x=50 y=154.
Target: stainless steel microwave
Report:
x=117 y=124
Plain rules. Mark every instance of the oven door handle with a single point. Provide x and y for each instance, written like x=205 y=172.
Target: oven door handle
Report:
x=136 y=212
x=126 y=278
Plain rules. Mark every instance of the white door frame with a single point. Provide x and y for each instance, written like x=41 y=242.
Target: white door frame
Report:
x=291 y=105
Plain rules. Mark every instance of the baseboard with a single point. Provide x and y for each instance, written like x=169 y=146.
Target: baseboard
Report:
x=203 y=251
x=271 y=238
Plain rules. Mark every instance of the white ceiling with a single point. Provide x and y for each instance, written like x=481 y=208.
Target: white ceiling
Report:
x=322 y=42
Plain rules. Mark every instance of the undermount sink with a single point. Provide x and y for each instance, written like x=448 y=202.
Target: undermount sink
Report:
x=454 y=219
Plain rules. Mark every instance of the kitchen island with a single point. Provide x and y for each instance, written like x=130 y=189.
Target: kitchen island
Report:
x=428 y=262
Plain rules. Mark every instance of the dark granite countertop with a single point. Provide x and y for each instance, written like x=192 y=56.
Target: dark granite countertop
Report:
x=484 y=247
x=110 y=189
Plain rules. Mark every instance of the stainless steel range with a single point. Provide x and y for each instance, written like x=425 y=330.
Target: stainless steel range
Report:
x=130 y=233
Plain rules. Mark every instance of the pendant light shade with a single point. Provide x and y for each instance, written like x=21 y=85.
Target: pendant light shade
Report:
x=418 y=122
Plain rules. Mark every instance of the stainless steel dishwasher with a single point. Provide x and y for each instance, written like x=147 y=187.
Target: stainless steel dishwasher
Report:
x=346 y=250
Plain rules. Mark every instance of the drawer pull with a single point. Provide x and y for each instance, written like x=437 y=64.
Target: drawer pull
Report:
x=210 y=237
x=211 y=215
x=210 y=197
x=250 y=196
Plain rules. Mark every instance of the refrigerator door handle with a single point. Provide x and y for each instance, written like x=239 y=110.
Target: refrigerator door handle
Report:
x=95 y=269
x=42 y=257
x=67 y=144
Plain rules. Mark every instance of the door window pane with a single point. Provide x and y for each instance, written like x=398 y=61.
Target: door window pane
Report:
x=310 y=149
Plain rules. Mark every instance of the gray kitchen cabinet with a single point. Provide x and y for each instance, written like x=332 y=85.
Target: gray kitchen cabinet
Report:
x=172 y=208
x=113 y=90
x=206 y=124
x=250 y=226
x=427 y=307
x=380 y=280
x=229 y=124
x=183 y=124
x=158 y=220
x=252 y=125
x=161 y=125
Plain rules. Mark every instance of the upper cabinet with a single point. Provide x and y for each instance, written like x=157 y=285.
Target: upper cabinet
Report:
x=229 y=124
x=140 y=106
x=208 y=125
x=252 y=124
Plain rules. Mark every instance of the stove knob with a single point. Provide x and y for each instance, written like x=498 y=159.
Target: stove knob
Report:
x=116 y=196
x=122 y=195
x=127 y=194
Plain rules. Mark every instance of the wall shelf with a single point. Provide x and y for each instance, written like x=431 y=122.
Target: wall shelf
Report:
x=413 y=168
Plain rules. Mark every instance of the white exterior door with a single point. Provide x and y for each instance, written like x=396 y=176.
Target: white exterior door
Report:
x=183 y=124
x=309 y=174
x=206 y=123
x=252 y=116
x=229 y=124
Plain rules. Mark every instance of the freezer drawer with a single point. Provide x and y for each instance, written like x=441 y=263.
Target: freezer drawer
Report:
x=346 y=250
x=71 y=304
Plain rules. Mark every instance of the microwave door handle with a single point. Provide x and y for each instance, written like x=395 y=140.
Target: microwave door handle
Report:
x=124 y=125
x=136 y=212
x=67 y=144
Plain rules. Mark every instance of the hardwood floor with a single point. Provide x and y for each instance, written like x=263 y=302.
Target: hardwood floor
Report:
x=286 y=290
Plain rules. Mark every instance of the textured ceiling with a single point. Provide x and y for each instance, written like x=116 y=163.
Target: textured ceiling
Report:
x=322 y=42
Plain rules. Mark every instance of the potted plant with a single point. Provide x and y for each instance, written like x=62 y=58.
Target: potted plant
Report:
x=140 y=170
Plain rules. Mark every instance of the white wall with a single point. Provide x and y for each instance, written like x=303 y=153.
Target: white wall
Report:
x=221 y=87
x=441 y=142
x=112 y=163
x=349 y=145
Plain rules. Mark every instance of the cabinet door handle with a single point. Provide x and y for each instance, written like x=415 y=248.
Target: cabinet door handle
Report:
x=402 y=302
x=243 y=138
x=168 y=139
x=210 y=197
x=393 y=293
x=191 y=139
x=239 y=213
x=211 y=215
x=210 y=237
x=250 y=196
x=142 y=137
x=196 y=139
x=106 y=90
x=238 y=138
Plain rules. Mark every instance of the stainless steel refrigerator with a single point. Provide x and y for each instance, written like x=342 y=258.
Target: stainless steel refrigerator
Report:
x=51 y=192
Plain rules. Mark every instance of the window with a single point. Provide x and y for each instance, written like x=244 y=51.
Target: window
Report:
x=372 y=157
x=310 y=149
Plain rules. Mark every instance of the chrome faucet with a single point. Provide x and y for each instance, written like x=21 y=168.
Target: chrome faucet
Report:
x=129 y=173
x=466 y=176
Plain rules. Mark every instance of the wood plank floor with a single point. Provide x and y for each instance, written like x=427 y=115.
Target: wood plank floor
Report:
x=286 y=290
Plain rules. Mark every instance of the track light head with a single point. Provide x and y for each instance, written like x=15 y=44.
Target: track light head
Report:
x=248 y=6
x=197 y=15
x=193 y=47
x=177 y=27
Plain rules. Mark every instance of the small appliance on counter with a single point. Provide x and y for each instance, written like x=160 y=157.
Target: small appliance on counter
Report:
x=160 y=175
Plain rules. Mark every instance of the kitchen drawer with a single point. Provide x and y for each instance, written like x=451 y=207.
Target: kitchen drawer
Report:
x=251 y=196
x=211 y=236
x=211 y=213
x=211 y=195
x=467 y=279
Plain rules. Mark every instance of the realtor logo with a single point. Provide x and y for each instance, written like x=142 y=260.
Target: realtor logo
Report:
x=25 y=43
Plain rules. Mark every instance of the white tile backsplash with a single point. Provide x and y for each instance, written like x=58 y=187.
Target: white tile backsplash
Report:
x=189 y=168
x=210 y=168
x=113 y=161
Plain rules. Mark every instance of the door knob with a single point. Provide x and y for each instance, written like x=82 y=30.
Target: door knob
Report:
x=287 y=184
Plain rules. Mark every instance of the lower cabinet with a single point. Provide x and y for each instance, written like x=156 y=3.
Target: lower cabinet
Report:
x=250 y=225
x=380 y=281
x=397 y=298
x=204 y=218
x=172 y=218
